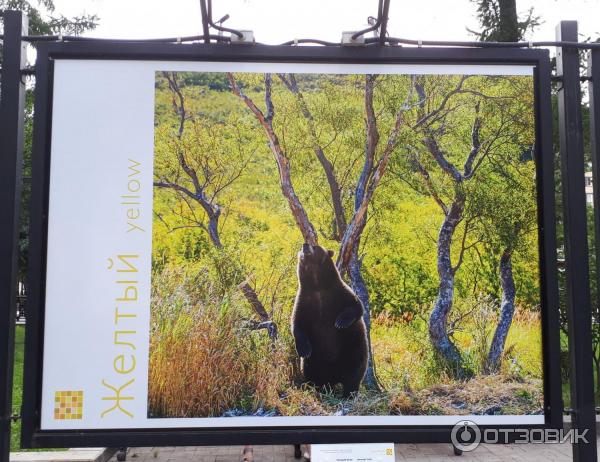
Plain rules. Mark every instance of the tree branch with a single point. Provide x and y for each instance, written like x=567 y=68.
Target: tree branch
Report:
x=252 y=298
x=372 y=140
x=359 y=219
x=439 y=156
x=212 y=210
x=306 y=227
x=425 y=118
x=334 y=187
x=429 y=184
x=475 y=145
x=175 y=186
x=462 y=247
x=178 y=108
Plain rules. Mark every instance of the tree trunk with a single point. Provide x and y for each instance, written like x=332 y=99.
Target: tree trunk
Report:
x=283 y=163
x=360 y=288
x=438 y=321
x=257 y=306
x=508 y=30
x=507 y=309
x=213 y=228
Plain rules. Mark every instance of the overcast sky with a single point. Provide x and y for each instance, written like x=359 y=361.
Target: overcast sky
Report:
x=275 y=21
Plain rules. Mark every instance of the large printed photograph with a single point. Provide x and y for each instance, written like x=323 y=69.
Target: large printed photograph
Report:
x=338 y=244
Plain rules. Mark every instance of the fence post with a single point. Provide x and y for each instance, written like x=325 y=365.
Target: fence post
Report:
x=594 y=94
x=594 y=102
x=12 y=97
x=576 y=244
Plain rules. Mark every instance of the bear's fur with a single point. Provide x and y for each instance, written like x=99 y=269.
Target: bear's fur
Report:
x=327 y=323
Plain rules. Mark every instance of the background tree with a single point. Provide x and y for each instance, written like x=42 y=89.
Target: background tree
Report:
x=500 y=22
x=506 y=224
x=44 y=19
x=429 y=112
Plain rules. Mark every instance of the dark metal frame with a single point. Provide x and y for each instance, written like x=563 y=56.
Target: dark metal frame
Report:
x=578 y=307
x=594 y=95
x=47 y=53
x=11 y=159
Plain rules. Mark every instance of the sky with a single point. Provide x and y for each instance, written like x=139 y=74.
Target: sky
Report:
x=275 y=21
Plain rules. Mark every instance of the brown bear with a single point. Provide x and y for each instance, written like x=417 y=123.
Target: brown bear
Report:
x=327 y=324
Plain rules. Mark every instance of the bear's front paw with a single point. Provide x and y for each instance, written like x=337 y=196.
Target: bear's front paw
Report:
x=304 y=350
x=343 y=321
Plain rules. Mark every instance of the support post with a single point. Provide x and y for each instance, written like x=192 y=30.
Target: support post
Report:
x=576 y=244
x=594 y=94
x=205 y=27
x=12 y=97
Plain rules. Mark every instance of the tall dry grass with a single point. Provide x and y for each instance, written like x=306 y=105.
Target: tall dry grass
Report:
x=203 y=358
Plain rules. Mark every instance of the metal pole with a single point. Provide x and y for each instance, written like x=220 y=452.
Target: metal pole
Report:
x=384 y=21
x=12 y=99
x=576 y=244
x=205 y=29
x=548 y=270
x=594 y=93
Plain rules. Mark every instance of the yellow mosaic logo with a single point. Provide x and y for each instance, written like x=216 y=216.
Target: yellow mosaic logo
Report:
x=68 y=405
x=389 y=451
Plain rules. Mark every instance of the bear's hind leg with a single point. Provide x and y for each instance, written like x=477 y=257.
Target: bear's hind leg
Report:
x=313 y=372
x=350 y=387
x=352 y=377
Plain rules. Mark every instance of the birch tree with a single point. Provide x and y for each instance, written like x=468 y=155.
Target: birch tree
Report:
x=509 y=220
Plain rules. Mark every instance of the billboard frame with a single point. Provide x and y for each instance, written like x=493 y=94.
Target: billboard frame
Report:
x=47 y=53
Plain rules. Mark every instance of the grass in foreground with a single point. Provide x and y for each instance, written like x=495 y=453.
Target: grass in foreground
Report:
x=17 y=398
x=15 y=435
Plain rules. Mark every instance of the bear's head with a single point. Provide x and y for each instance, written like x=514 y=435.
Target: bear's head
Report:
x=316 y=268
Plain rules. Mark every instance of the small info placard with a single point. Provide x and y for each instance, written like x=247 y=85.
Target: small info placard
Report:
x=374 y=452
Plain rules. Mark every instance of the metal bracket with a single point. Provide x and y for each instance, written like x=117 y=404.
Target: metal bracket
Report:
x=247 y=38
x=348 y=40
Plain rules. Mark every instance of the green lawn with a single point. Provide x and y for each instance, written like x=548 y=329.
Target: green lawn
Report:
x=15 y=436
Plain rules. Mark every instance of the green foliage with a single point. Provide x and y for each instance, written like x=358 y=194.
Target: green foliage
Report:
x=44 y=20
x=500 y=23
x=212 y=81
x=17 y=395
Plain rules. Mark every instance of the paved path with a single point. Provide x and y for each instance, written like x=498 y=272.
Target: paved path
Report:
x=404 y=452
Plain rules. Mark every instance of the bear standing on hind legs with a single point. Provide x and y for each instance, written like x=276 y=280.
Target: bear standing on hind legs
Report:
x=327 y=323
